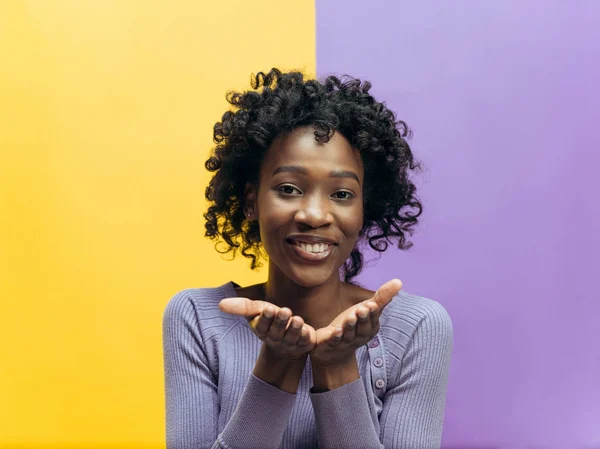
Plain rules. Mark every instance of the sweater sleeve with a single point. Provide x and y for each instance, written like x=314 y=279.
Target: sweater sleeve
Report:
x=343 y=418
x=191 y=393
x=413 y=411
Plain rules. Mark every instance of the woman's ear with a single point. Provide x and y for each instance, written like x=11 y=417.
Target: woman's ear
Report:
x=250 y=206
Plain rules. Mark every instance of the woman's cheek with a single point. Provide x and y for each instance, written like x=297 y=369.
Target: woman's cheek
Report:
x=353 y=220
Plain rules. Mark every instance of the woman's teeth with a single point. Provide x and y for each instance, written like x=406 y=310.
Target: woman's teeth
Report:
x=313 y=247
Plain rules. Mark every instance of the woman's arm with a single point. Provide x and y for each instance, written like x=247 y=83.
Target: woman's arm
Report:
x=341 y=408
x=192 y=401
x=262 y=414
x=413 y=410
x=191 y=392
x=338 y=395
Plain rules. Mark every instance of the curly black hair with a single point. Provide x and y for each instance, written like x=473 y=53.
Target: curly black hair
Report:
x=281 y=102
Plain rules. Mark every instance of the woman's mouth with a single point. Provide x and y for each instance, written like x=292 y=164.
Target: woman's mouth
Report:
x=313 y=252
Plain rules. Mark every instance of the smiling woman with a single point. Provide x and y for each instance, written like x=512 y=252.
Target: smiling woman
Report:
x=309 y=206
x=304 y=171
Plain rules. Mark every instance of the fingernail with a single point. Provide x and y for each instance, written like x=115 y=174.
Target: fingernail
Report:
x=361 y=313
x=296 y=325
x=351 y=323
x=268 y=313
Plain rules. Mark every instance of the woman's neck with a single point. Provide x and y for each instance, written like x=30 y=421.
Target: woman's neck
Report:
x=318 y=306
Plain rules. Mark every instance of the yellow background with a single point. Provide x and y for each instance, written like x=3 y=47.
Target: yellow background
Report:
x=106 y=114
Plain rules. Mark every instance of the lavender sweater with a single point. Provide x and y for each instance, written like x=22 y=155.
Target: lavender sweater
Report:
x=214 y=401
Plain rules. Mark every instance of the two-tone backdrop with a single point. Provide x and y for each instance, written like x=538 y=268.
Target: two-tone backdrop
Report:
x=106 y=114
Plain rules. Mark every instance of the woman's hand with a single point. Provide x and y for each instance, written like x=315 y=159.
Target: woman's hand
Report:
x=352 y=328
x=286 y=335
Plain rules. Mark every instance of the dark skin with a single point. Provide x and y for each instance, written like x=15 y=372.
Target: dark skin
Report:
x=309 y=205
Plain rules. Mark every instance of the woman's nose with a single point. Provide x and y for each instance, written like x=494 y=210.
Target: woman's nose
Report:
x=314 y=212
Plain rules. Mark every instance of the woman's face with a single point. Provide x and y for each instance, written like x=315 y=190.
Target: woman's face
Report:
x=310 y=205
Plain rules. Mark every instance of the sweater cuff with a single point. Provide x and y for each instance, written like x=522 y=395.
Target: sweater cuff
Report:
x=260 y=418
x=343 y=418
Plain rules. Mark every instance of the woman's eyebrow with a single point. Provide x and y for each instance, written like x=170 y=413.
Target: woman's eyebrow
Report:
x=344 y=174
x=290 y=169
x=304 y=171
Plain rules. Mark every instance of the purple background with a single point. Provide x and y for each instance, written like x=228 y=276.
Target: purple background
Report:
x=503 y=99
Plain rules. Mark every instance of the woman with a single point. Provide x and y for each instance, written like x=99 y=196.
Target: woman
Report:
x=306 y=171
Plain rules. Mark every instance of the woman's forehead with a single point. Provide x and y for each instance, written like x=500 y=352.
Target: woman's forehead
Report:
x=300 y=148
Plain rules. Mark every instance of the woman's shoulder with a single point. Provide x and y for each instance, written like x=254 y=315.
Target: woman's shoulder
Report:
x=415 y=307
x=205 y=295
x=408 y=312
x=198 y=309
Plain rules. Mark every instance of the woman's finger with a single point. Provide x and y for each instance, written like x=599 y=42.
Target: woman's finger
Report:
x=293 y=331
x=279 y=324
x=335 y=336
x=374 y=313
x=262 y=323
x=386 y=292
x=363 y=326
x=305 y=342
x=242 y=306
x=350 y=329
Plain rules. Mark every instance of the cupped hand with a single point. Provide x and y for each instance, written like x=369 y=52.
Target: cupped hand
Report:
x=285 y=334
x=352 y=328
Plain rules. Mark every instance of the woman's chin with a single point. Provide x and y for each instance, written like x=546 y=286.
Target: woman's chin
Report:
x=311 y=278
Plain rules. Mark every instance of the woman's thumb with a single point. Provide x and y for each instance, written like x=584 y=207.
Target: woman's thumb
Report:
x=241 y=306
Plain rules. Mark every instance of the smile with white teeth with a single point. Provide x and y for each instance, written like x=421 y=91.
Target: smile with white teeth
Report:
x=314 y=248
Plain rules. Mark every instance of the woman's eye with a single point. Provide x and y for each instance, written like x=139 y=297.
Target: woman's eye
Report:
x=343 y=195
x=288 y=189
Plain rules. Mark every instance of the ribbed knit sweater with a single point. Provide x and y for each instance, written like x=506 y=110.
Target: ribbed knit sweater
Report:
x=214 y=401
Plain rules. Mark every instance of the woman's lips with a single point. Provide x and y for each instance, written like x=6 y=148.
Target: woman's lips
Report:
x=314 y=252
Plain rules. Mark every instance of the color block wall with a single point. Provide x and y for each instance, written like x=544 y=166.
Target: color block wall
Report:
x=106 y=114
x=504 y=103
